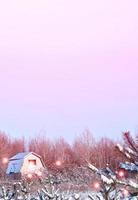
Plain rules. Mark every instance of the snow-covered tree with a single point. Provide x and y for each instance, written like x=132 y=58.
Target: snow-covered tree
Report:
x=110 y=186
x=114 y=185
x=130 y=151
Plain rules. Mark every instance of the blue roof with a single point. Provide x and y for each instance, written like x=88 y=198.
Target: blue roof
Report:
x=20 y=156
x=129 y=166
x=14 y=166
x=16 y=162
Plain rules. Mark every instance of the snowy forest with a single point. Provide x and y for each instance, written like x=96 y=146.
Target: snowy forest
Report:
x=85 y=169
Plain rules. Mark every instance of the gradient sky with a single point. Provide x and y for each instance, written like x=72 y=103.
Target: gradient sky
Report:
x=68 y=65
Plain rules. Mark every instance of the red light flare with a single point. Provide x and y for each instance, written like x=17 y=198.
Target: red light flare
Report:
x=5 y=160
x=125 y=192
x=29 y=176
x=121 y=173
x=58 y=163
x=96 y=185
x=39 y=174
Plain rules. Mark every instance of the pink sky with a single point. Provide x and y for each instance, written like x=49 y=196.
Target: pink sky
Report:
x=67 y=65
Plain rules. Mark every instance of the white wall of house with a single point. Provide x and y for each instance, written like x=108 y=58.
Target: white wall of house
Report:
x=26 y=168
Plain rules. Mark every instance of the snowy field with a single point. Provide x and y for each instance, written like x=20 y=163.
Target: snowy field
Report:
x=24 y=191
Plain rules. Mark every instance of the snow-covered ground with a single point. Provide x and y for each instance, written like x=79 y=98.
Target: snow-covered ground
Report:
x=23 y=192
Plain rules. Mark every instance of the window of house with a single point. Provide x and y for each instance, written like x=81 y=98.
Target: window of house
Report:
x=32 y=162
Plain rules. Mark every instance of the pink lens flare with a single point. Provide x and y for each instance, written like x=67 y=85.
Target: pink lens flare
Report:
x=125 y=192
x=29 y=176
x=121 y=173
x=58 y=163
x=96 y=185
x=5 y=160
x=39 y=174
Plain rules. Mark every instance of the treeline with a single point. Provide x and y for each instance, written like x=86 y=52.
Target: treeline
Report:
x=84 y=149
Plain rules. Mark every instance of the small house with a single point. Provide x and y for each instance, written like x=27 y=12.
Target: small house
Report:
x=130 y=169
x=24 y=163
